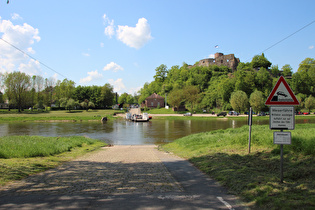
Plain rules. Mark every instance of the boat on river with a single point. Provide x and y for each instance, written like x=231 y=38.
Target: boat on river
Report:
x=135 y=115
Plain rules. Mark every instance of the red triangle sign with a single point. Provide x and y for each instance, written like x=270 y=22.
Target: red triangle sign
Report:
x=282 y=94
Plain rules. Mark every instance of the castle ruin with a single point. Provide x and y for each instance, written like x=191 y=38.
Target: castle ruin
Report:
x=220 y=60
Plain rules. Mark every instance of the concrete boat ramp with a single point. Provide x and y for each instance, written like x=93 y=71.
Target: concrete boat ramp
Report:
x=120 y=177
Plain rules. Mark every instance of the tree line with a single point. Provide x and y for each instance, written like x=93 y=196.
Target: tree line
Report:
x=25 y=91
x=196 y=87
x=220 y=88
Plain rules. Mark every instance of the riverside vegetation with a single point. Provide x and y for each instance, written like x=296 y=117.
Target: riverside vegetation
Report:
x=255 y=177
x=21 y=156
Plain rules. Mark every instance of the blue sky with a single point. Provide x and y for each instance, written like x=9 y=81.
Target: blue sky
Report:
x=123 y=42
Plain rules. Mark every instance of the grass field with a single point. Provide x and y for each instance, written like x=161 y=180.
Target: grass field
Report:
x=60 y=115
x=255 y=177
x=21 y=156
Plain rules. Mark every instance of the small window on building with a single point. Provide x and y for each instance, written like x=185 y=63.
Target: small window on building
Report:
x=227 y=60
x=221 y=61
x=151 y=103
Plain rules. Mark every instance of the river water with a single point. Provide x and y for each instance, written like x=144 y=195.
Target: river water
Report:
x=122 y=132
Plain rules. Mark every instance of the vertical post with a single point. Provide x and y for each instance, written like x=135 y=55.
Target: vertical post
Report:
x=281 y=162
x=250 y=127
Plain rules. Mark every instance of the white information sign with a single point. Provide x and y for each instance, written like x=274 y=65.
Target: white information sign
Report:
x=282 y=137
x=282 y=117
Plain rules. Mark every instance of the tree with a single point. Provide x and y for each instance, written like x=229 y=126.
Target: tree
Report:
x=257 y=101
x=122 y=98
x=306 y=64
x=263 y=80
x=17 y=86
x=239 y=101
x=260 y=61
x=48 y=91
x=65 y=88
x=286 y=70
x=86 y=104
x=310 y=103
x=68 y=104
x=107 y=95
x=191 y=94
x=275 y=70
x=161 y=73
x=175 y=98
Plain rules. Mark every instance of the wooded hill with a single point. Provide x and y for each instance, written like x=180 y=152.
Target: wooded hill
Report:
x=200 y=87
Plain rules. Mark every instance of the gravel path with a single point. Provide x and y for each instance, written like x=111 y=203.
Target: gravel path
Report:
x=119 y=177
x=113 y=170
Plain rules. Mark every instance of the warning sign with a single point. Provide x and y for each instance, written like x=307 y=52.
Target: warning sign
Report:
x=282 y=94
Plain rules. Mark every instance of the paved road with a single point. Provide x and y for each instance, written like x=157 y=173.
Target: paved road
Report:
x=119 y=177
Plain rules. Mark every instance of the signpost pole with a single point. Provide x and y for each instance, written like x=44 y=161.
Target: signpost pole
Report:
x=281 y=162
x=250 y=127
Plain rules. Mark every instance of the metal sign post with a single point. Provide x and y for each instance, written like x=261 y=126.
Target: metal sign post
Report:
x=281 y=138
x=250 y=122
x=282 y=115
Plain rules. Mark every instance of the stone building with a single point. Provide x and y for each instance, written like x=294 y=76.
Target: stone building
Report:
x=221 y=60
x=154 y=101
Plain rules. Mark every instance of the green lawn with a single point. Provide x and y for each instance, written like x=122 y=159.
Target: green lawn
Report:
x=255 y=177
x=21 y=156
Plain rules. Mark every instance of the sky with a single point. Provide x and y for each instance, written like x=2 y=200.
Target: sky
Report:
x=122 y=42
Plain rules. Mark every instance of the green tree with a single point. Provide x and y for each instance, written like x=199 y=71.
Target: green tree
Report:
x=175 y=98
x=17 y=87
x=86 y=104
x=306 y=64
x=263 y=80
x=122 y=98
x=239 y=101
x=286 y=70
x=161 y=73
x=301 y=83
x=65 y=89
x=260 y=61
x=69 y=104
x=274 y=70
x=257 y=101
x=310 y=103
x=191 y=94
x=107 y=95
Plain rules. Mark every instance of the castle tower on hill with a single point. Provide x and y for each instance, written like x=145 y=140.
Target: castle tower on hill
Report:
x=221 y=60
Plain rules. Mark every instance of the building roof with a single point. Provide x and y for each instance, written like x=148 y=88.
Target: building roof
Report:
x=154 y=95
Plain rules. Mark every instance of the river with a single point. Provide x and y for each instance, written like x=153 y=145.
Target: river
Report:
x=122 y=132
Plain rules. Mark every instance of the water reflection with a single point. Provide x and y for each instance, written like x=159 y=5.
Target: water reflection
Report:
x=121 y=132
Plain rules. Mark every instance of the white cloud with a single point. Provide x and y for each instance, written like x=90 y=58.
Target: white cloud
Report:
x=110 y=27
x=16 y=17
x=118 y=85
x=86 y=54
x=311 y=47
x=102 y=44
x=134 y=90
x=135 y=37
x=22 y=37
x=30 y=68
x=93 y=75
x=113 y=66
